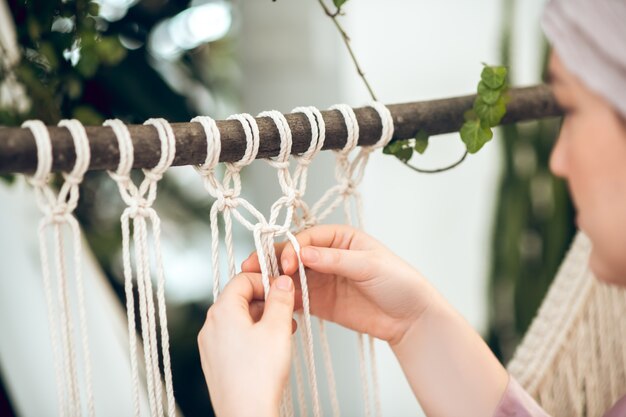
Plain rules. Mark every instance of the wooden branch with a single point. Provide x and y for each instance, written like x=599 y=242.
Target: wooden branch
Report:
x=18 y=151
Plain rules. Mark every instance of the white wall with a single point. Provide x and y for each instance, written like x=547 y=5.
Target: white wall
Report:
x=291 y=55
x=410 y=50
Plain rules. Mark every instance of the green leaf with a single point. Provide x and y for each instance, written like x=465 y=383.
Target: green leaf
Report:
x=493 y=77
x=421 y=142
x=404 y=154
x=490 y=114
x=474 y=135
x=110 y=50
x=489 y=95
x=87 y=115
x=8 y=178
x=339 y=3
x=401 y=149
x=470 y=115
x=88 y=64
x=93 y=8
x=47 y=50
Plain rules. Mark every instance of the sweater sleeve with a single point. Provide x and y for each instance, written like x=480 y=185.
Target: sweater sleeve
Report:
x=516 y=402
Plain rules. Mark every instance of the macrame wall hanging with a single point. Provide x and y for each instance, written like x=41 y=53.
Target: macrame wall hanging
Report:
x=572 y=359
x=288 y=215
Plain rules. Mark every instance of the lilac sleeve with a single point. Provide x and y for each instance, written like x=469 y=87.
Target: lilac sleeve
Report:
x=516 y=402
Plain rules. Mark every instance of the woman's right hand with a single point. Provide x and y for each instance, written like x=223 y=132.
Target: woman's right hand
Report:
x=355 y=281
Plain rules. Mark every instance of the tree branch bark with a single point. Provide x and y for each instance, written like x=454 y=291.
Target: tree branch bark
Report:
x=18 y=151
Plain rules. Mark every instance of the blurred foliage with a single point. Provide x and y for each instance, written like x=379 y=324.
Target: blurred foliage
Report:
x=533 y=226
x=74 y=64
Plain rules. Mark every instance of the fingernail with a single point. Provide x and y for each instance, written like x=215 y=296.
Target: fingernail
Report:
x=285 y=263
x=284 y=283
x=310 y=254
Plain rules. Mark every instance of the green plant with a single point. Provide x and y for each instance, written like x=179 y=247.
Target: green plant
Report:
x=488 y=110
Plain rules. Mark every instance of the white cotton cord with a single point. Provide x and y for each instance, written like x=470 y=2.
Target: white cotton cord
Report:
x=352 y=126
x=306 y=313
x=297 y=369
x=230 y=203
x=167 y=136
x=40 y=182
x=251 y=130
x=227 y=191
x=139 y=201
x=69 y=190
x=122 y=178
x=57 y=210
x=127 y=155
x=363 y=373
x=387 y=126
x=292 y=187
x=318 y=136
x=213 y=140
x=349 y=174
x=328 y=365
x=207 y=171
x=375 y=386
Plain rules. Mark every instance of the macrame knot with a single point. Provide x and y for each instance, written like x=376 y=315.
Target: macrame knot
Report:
x=226 y=199
x=139 y=207
x=59 y=213
x=347 y=187
x=293 y=198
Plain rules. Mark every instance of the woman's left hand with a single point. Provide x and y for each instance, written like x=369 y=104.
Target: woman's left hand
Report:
x=245 y=346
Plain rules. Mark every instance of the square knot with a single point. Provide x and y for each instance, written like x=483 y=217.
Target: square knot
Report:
x=139 y=207
x=58 y=213
x=347 y=187
x=293 y=197
x=226 y=199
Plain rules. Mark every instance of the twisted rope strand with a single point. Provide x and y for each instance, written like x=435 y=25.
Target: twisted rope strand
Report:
x=57 y=211
x=139 y=201
x=349 y=174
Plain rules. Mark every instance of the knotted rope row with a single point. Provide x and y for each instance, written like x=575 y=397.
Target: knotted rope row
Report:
x=349 y=174
x=139 y=201
x=318 y=136
x=57 y=210
x=229 y=202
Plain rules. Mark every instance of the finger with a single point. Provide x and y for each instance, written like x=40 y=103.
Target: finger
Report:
x=278 y=312
x=326 y=236
x=240 y=291
x=352 y=264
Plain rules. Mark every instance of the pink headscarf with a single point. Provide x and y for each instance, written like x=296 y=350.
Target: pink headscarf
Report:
x=590 y=38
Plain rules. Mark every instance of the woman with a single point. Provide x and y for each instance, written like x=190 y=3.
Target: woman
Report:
x=358 y=283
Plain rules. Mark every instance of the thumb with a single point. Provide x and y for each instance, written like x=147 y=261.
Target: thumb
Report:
x=352 y=264
x=279 y=304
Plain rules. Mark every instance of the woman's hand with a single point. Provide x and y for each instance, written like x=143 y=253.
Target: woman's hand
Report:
x=245 y=346
x=355 y=281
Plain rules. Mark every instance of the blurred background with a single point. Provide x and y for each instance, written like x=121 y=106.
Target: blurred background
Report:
x=489 y=234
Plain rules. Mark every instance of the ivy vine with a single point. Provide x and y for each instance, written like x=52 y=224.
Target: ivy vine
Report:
x=487 y=112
